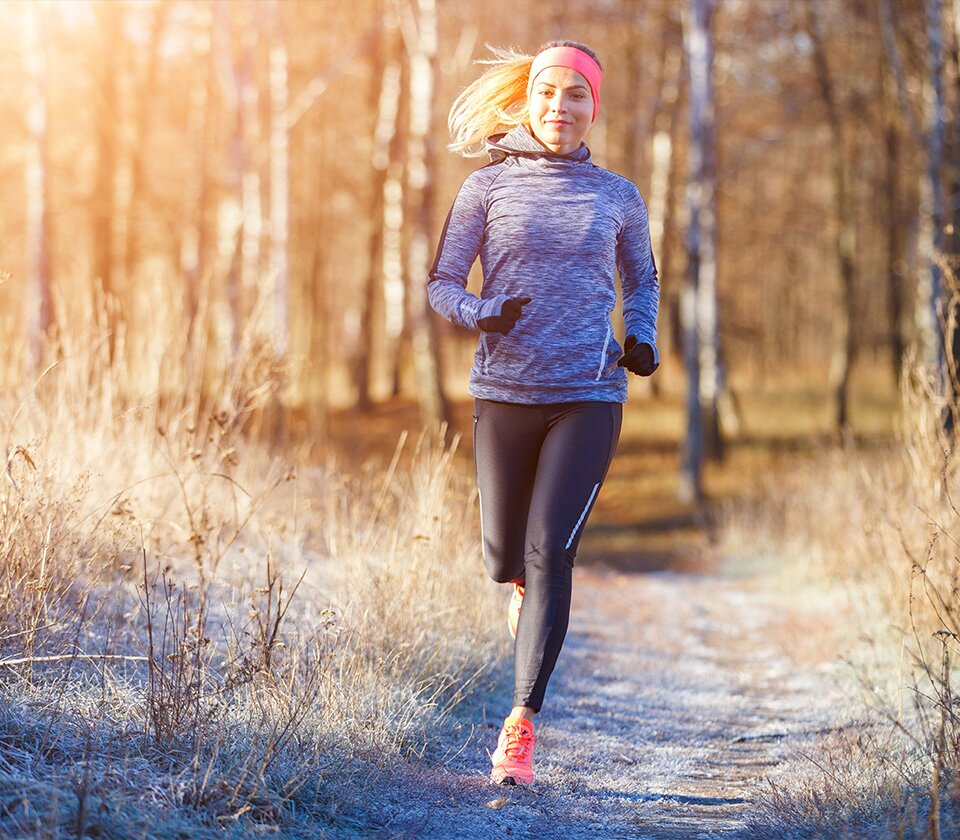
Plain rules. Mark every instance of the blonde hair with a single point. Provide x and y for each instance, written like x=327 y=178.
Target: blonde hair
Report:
x=496 y=101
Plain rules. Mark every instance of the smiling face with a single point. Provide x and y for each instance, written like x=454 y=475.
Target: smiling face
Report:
x=561 y=109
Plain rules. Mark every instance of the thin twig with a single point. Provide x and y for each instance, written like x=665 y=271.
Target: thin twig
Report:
x=65 y=656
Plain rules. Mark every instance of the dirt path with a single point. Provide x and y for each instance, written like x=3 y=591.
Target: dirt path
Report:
x=675 y=696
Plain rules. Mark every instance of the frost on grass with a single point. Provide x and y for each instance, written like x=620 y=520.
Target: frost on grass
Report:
x=879 y=529
x=197 y=637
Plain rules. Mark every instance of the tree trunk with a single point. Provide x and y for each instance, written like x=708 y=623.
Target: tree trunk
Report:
x=146 y=96
x=844 y=348
x=38 y=304
x=384 y=96
x=952 y=223
x=110 y=21
x=930 y=306
x=199 y=193
x=421 y=36
x=394 y=262
x=699 y=298
x=894 y=237
x=931 y=296
x=673 y=198
x=279 y=182
x=663 y=180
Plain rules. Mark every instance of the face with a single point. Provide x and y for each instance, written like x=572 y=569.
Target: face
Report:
x=561 y=109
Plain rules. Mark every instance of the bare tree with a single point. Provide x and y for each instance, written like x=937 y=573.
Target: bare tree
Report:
x=937 y=303
x=144 y=104
x=894 y=233
x=420 y=34
x=844 y=348
x=38 y=306
x=929 y=134
x=395 y=279
x=663 y=169
x=385 y=101
x=199 y=195
x=108 y=66
x=279 y=181
x=244 y=169
x=699 y=296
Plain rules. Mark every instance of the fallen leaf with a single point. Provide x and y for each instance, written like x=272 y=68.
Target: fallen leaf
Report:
x=497 y=804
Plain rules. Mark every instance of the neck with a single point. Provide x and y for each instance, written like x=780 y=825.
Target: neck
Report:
x=557 y=150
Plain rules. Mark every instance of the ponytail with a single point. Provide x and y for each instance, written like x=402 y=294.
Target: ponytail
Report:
x=495 y=101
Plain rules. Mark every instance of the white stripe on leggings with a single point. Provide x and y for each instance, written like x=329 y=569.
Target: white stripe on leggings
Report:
x=583 y=514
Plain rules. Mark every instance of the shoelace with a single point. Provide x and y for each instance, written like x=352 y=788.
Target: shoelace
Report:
x=518 y=740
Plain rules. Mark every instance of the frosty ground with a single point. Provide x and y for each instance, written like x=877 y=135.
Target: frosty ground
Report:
x=678 y=696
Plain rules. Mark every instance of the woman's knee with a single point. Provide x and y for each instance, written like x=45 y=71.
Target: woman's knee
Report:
x=552 y=557
x=502 y=566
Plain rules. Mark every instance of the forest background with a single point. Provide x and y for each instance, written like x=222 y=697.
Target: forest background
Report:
x=200 y=162
x=218 y=218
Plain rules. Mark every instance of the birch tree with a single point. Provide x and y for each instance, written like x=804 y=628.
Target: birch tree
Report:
x=699 y=295
x=244 y=170
x=933 y=288
x=198 y=197
x=137 y=201
x=279 y=181
x=928 y=131
x=38 y=307
x=420 y=35
x=385 y=101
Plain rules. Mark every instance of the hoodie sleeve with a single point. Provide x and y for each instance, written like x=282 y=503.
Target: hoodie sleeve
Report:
x=457 y=250
x=638 y=272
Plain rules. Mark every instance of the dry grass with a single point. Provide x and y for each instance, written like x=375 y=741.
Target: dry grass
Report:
x=198 y=635
x=877 y=533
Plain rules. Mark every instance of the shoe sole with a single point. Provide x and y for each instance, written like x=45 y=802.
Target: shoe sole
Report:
x=510 y=781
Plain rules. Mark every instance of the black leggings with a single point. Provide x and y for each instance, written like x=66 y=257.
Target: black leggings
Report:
x=539 y=469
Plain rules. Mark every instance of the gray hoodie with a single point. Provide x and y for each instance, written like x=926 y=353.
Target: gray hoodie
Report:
x=553 y=228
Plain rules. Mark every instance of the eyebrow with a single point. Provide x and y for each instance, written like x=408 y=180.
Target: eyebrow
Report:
x=571 y=87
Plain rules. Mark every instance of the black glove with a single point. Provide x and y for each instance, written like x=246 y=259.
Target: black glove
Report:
x=637 y=358
x=510 y=313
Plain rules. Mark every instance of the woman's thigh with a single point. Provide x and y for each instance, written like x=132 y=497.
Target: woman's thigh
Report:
x=506 y=443
x=574 y=458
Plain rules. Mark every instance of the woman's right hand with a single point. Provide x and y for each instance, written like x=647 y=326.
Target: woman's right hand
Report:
x=510 y=313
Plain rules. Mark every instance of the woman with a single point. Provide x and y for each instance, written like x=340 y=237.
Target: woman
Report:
x=548 y=376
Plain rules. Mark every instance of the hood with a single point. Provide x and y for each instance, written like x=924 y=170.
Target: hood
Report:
x=520 y=144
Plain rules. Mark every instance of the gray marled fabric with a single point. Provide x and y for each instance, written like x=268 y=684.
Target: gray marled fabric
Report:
x=550 y=227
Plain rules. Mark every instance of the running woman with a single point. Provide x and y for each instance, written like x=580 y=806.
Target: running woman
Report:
x=548 y=375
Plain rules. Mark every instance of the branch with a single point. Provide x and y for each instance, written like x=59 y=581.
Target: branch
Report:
x=896 y=67
x=9 y=663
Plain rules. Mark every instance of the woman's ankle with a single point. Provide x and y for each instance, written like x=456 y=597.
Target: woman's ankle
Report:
x=524 y=712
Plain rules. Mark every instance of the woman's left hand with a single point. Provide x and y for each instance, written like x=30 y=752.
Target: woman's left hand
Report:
x=637 y=358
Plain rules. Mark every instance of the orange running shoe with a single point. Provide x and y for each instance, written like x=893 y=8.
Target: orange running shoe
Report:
x=513 y=609
x=513 y=758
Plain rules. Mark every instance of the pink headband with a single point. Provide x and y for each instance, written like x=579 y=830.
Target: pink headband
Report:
x=574 y=59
